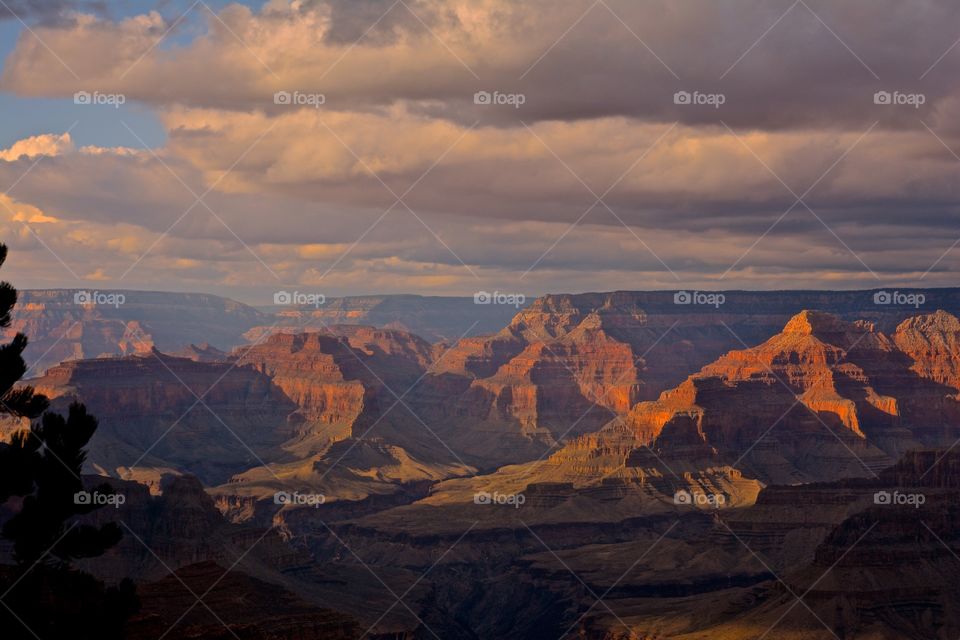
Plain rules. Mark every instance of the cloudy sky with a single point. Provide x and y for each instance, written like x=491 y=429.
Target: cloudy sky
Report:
x=449 y=146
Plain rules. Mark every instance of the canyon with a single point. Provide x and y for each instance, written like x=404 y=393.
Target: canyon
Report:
x=602 y=466
x=72 y=324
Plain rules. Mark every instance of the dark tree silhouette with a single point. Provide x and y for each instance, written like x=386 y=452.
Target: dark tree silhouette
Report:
x=41 y=483
x=39 y=530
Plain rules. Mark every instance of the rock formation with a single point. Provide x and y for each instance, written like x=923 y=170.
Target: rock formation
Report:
x=61 y=329
x=156 y=411
x=824 y=398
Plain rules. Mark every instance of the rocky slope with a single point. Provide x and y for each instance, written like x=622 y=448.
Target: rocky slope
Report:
x=262 y=582
x=822 y=399
x=562 y=367
x=349 y=381
x=61 y=329
x=235 y=605
x=867 y=570
x=871 y=558
x=160 y=413
x=286 y=414
x=867 y=566
x=567 y=364
x=435 y=318
x=594 y=388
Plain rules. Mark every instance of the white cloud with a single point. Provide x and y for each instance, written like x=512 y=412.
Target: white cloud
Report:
x=47 y=144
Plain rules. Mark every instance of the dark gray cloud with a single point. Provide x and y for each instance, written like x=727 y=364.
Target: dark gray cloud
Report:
x=46 y=12
x=777 y=64
x=371 y=22
x=815 y=64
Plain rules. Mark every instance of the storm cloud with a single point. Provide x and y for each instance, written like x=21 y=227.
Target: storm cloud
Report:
x=434 y=145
